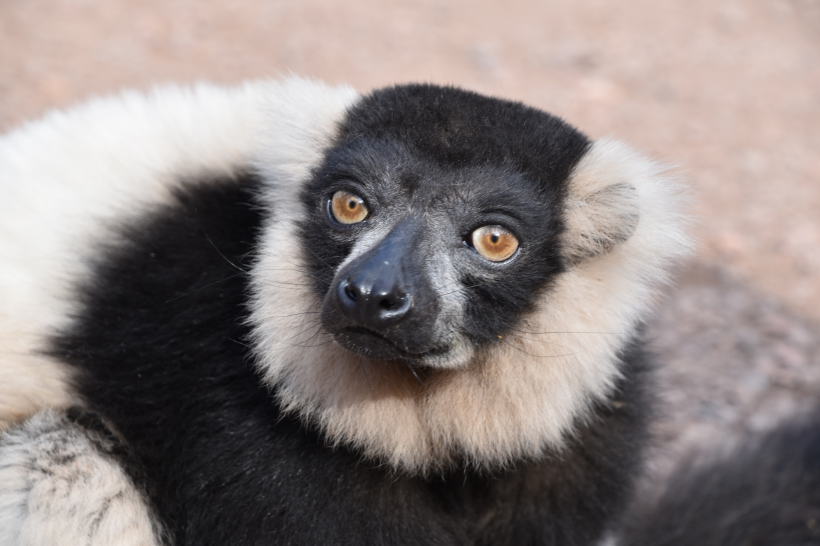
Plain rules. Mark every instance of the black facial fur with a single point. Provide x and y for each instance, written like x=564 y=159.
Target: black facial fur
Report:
x=441 y=162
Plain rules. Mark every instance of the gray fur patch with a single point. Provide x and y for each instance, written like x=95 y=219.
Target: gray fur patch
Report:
x=61 y=485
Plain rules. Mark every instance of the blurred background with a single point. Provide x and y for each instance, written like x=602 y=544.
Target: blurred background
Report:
x=726 y=91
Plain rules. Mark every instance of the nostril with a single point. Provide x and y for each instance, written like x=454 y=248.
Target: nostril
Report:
x=347 y=295
x=393 y=309
x=349 y=292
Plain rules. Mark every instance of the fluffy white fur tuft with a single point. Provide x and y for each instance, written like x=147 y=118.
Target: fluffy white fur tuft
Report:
x=516 y=400
x=58 y=487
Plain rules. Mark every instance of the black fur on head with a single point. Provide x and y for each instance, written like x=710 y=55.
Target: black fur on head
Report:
x=433 y=164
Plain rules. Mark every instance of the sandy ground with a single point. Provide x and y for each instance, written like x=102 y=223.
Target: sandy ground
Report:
x=727 y=91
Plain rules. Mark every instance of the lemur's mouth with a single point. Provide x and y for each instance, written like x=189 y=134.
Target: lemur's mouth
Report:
x=374 y=345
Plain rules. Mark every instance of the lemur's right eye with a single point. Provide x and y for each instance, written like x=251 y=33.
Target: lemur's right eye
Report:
x=347 y=208
x=494 y=243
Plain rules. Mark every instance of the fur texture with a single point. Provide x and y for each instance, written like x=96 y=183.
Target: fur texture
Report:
x=67 y=178
x=765 y=491
x=62 y=484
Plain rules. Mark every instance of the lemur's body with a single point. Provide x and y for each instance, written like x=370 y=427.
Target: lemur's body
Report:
x=311 y=317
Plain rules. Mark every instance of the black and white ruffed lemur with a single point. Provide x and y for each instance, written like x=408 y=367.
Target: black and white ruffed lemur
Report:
x=287 y=313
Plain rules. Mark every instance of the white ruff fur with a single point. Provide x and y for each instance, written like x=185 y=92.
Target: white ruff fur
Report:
x=65 y=179
x=514 y=401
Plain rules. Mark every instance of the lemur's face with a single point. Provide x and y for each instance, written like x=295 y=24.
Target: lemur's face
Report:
x=446 y=276
x=427 y=252
x=424 y=262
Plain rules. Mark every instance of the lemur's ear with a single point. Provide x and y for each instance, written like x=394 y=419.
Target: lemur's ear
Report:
x=603 y=205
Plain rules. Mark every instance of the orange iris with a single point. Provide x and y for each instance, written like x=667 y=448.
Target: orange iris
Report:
x=494 y=243
x=347 y=208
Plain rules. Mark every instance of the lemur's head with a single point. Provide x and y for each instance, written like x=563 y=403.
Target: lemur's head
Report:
x=450 y=277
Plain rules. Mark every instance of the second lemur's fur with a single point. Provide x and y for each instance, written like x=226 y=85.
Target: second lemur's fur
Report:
x=765 y=491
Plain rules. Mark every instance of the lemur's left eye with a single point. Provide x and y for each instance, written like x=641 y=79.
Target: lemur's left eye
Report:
x=347 y=208
x=494 y=243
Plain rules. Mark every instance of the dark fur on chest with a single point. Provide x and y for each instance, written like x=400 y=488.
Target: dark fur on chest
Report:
x=160 y=350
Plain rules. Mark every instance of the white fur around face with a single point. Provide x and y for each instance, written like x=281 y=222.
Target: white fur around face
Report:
x=58 y=487
x=66 y=178
x=516 y=400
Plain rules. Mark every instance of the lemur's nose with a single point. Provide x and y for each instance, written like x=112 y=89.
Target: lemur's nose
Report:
x=377 y=291
x=374 y=301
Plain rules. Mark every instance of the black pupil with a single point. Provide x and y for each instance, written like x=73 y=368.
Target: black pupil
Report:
x=495 y=237
x=351 y=204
